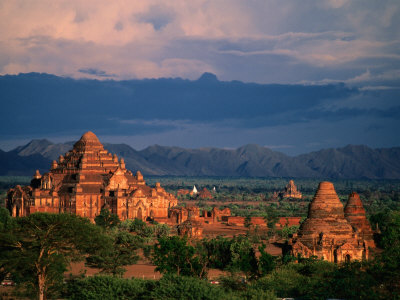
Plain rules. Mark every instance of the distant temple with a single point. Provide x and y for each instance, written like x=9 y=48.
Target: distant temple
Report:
x=331 y=232
x=86 y=179
x=205 y=194
x=291 y=191
x=194 y=191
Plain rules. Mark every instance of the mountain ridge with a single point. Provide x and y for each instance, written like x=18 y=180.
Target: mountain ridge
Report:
x=251 y=160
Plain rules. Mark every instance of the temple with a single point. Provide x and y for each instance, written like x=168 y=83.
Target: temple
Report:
x=291 y=191
x=332 y=233
x=86 y=179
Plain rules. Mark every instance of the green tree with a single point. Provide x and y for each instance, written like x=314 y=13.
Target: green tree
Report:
x=39 y=248
x=266 y=262
x=121 y=252
x=243 y=257
x=6 y=223
x=172 y=255
x=106 y=219
x=386 y=266
x=182 y=287
x=108 y=287
x=139 y=227
x=218 y=252
x=161 y=230
x=247 y=221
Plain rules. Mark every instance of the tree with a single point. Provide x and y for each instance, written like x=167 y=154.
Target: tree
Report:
x=243 y=256
x=106 y=219
x=172 y=255
x=218 y=252
x=121 y=252
x=247 y=221
x=161 y=230
x=38 y=249
x=266 y=262
x=6 y=223
x=386 y=266
x=139 y=227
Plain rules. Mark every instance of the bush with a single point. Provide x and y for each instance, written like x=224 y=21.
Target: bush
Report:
x=286 y=282
x=108 y=287
x=181 y=287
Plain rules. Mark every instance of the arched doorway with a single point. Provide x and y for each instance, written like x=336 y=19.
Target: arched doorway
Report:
x=139 y=214
x=347 y=258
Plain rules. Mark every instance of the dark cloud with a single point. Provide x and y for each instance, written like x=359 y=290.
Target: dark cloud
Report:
x=119 y=26
x=199 y=113
x=157 y=15
x=96 y=72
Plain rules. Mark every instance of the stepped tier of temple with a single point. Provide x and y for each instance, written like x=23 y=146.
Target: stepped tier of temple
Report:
x=84 y=180
x=331 y=234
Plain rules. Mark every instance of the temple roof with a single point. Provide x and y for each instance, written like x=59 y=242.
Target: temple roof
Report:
x=325 y=216
x=354 y=205
x=326 y=202
x=89 y=136
x=88 y=141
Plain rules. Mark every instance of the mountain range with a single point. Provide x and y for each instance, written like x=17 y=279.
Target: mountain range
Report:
x=350 y=162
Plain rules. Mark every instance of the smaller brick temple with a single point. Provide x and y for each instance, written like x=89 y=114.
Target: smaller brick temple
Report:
x=332 y=233
x=291 y=191
x=84 y=180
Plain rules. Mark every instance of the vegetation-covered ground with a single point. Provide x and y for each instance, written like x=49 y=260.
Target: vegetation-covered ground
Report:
x=37 y=250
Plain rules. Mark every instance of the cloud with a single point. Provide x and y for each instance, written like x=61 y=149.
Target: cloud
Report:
x=95 y=72
x=260 y=41
x=158 y=16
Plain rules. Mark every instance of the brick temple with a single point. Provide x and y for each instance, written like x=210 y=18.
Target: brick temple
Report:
x=84 y=180
x=331 y=232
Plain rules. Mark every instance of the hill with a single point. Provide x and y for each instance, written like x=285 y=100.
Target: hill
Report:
x=350 y=162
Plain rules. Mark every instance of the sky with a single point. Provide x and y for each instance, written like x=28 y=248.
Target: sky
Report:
x=261 y=41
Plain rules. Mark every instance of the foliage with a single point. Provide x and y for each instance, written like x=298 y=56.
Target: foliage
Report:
x=287 y=231
x=386 y=266
x=181 y=287
x=243 y=256
x=139 y=227
x=6 y=222
x=218 y=252
x=247 y=221
x=266 y=262
x=168 y=287
x=38 y=249
x=121 y=252
x=106 y=219
x=107 y=287
x=172 y=255
x=161 y=230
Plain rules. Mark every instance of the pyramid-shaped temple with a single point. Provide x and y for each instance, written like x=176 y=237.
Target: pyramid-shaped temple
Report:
x=86 y=179
x=332 y=233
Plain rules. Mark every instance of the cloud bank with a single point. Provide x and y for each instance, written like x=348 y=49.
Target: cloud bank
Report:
x=254 y=41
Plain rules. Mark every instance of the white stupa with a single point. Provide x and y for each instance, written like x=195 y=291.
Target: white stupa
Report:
x=194 y=191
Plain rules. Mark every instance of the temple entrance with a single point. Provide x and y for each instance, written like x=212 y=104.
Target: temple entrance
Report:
x=139 y=214
x=347 y=258
x=335 y=256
